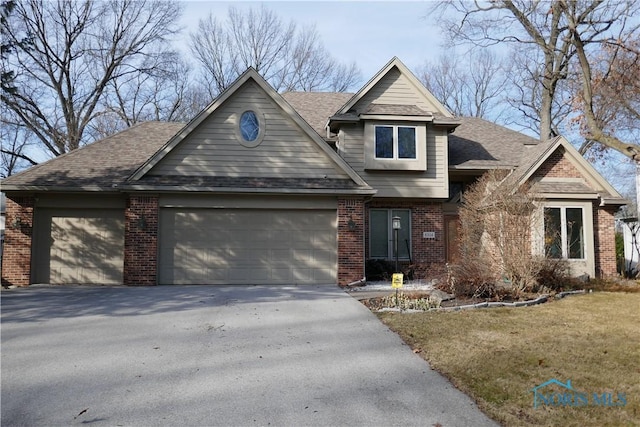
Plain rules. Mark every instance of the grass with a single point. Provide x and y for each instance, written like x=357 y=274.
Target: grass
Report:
x=498 y=355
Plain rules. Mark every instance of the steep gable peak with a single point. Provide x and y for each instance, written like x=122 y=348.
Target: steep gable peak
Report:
x=222 y=117
x=556 y=160
x=394 y=76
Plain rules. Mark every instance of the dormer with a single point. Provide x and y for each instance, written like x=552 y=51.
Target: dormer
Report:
x=395 y=112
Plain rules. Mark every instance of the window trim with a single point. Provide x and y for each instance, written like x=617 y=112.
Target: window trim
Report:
x=390 y=253
x=261 y=128
x=417 y=164
x=395 y=142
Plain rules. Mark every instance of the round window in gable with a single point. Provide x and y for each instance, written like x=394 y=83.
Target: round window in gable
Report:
x=250 y=128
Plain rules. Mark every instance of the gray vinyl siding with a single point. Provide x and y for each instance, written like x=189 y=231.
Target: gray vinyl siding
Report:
x=430 y=183
x=213 y=149
x=394 y=88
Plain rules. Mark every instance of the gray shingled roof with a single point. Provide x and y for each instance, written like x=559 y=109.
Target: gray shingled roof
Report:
x=475 y=144
x=480 y=144
x=316 y=107
x=562 y=187
x=101 y=164
x=245 y=182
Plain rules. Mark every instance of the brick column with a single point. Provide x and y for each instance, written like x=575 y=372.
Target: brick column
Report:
x=16 y=258
x=141 y=240
x=350 y=240
x=604 y=241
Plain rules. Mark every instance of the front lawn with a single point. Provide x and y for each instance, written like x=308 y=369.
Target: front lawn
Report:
x=498 y=356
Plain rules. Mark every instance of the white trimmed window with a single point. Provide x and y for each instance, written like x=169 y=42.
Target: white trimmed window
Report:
x=395 y=142
x=381 y=233
x=395 y=146
x=564 y=234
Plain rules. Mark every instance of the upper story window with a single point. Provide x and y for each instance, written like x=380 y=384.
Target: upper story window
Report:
x=395 y=142
x=249 y=126
x=395 y=145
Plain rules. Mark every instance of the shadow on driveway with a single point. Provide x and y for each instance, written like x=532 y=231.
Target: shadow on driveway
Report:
x=40 y=303
x=213 y=355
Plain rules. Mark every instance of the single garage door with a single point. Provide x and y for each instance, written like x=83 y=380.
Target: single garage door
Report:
x=79 y=246
x=247 y=246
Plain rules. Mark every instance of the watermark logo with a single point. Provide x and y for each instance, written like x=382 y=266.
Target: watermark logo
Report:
x=566 y=395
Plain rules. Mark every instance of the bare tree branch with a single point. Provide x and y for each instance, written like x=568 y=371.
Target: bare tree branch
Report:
x=76 y=50
x=288 y=58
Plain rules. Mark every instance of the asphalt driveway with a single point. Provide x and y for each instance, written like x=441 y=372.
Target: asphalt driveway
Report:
x=205 y=355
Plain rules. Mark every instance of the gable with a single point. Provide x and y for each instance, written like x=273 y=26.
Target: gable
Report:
x=215 y=149
x=558 y=175
x=395 y=85
x=560 y=171
x=390 y=94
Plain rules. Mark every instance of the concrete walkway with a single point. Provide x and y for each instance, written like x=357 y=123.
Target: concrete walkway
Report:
x=205 y=355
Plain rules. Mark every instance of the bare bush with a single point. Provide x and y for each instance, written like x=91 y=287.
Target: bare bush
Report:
x=496 y=219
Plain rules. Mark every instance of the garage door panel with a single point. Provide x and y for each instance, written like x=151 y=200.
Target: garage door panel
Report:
x=78 y=246
x=323 y=257
x=247 y=246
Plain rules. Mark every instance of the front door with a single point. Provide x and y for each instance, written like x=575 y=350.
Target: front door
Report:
x=452 y=238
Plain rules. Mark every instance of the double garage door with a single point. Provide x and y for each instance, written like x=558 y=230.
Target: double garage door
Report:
x=247 y=246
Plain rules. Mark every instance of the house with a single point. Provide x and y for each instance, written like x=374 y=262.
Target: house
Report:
x=264 y=188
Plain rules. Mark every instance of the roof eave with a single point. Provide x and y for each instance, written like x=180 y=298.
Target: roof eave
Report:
x=58 y=188
x=448 y=123
x=555 y=195
x=394 y=117
x=481 y=168
x=240 y=190
x=613 y=201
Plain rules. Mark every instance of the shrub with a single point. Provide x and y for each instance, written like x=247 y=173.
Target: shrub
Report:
x=469 y=281
x=427 y=271
x=496 y=217
x=409 y=302
x=553 y=274
x=378 y=269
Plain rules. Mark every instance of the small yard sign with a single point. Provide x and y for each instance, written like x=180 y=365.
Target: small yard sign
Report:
x=396 y=280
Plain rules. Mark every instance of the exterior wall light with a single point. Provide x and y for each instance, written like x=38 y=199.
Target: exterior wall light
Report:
x=351 y=224
x=395 y=223
x=17 y=223
x=142 y=223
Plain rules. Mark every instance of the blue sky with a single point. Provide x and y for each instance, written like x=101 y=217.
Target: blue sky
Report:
x=369 y=33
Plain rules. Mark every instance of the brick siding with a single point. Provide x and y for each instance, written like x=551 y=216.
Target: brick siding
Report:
x=604 y=241
x=16 y=257
x=350 y=242
x=141 y=240
x=557 y=166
